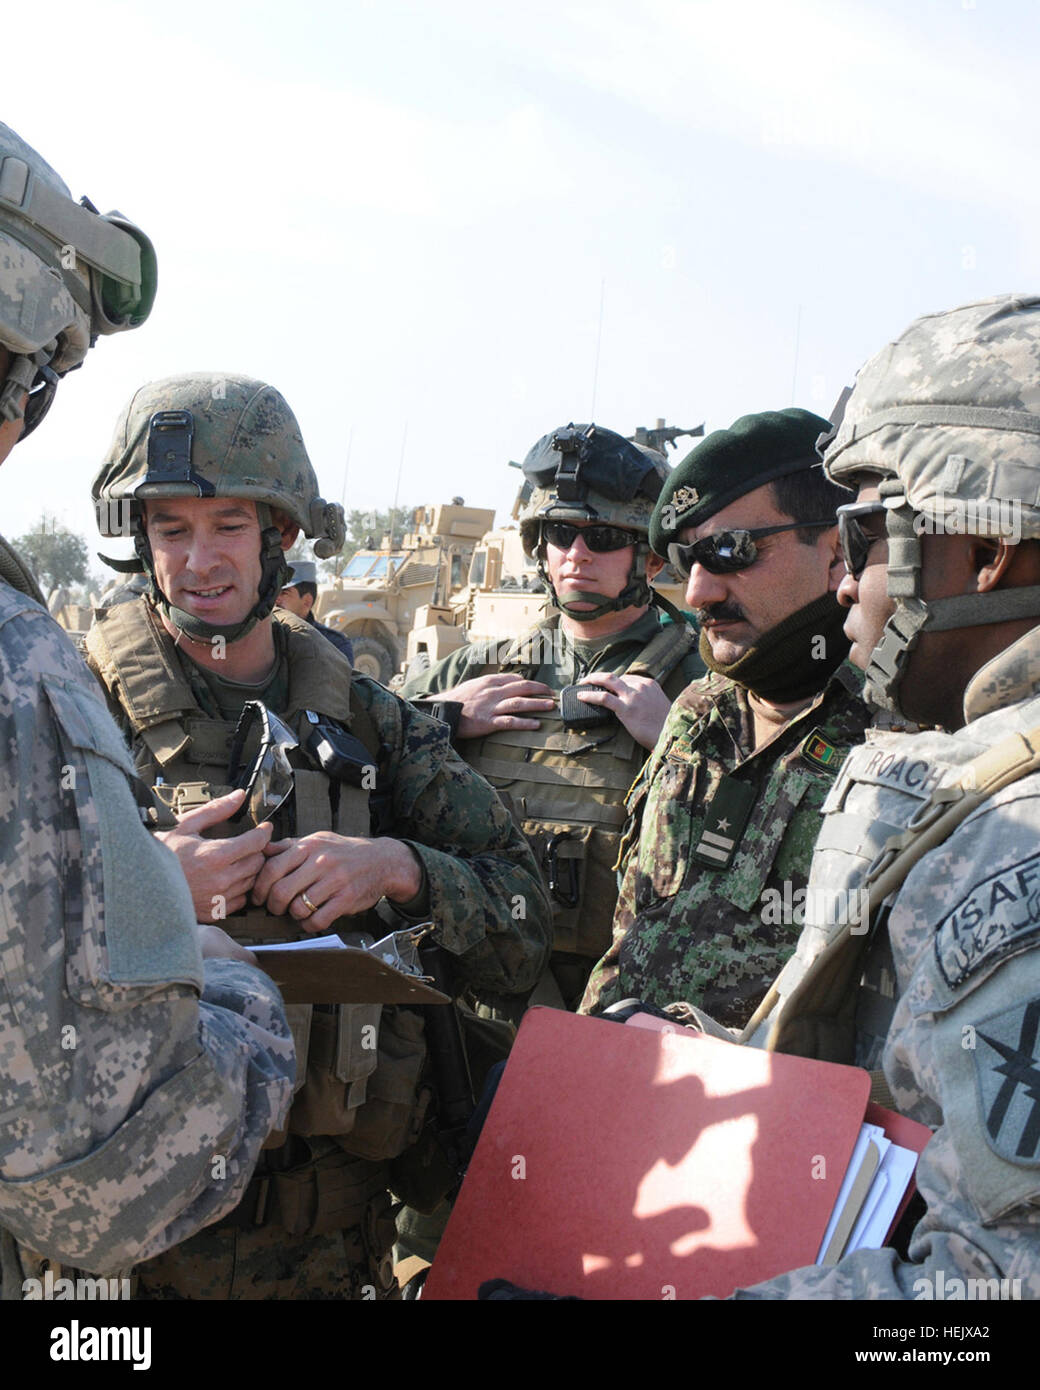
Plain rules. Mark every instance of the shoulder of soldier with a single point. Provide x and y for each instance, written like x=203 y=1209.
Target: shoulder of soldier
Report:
x=456 y=667
x=404 y=731
x=34 y=647
x=702 y=695
x=844 y=711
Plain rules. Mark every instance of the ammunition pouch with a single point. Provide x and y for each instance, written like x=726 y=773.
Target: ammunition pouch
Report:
x=364 y=1080
x=331 y=1192
x=577 y=862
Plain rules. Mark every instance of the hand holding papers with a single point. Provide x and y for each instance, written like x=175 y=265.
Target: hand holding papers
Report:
x=630 y=1163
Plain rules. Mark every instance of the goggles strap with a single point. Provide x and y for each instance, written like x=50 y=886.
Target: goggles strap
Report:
x=913 y=615
x=21 y=378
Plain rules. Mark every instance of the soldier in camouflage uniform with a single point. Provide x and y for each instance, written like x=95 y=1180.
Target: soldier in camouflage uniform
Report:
x=590 y=494
x=137 y=1081
x=726 y=811
x=216 y=485
x=942 y=437
x=298 y=595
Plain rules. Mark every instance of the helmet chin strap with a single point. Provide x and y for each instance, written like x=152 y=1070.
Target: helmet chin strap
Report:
x=274 y=572
x=912 y=616
x=636 y=592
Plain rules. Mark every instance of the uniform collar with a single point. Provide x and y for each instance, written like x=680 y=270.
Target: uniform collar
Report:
x=1012 y=675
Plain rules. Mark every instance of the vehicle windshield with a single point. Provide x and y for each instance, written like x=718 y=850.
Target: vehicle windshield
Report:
x=382 y=565
x=358 y=566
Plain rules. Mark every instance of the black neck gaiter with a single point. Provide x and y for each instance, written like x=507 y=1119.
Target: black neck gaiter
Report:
x=793 y=660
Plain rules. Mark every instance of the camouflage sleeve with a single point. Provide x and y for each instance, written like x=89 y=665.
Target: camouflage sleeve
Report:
x=133 y=1114
x=445 y=674
x=963 y=1055
x=486 y=894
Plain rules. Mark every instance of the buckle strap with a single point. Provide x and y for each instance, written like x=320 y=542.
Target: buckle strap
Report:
x=312 y=1200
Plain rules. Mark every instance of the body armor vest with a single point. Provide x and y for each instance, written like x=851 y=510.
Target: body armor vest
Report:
x=897 y=798
x=567 y=788
x=368 y=1097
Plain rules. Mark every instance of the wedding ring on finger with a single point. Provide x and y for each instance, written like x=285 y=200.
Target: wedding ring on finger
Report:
x=308 y=904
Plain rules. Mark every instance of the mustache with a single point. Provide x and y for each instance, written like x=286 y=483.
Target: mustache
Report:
x=721 y=613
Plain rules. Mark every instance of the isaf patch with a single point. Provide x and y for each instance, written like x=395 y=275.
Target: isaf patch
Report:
x=1008 y=1073
x=999 y=916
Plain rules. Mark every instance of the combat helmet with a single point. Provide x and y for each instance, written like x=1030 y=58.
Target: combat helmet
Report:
x=587 y=473
x=949 y=416
x=67 y=275
x=213 y=434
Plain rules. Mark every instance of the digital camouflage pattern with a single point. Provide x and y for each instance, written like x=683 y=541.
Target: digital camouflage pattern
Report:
x=133 y=1112
x=246 y=443
x=555 y=777
x=484 y=892
x=915 y=412
x=48 y=295
x=716 y=937
x=963 y=1050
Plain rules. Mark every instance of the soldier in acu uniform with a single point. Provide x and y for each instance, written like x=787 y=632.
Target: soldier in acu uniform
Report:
x=137 y=1082
x=942 y=828
x=217 y=485
x=725 y=813
x=565 y=760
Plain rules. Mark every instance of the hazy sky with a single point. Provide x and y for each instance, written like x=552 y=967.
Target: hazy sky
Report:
x=427 y=223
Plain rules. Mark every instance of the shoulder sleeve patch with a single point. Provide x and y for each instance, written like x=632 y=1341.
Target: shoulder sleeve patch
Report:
x=1001 y=915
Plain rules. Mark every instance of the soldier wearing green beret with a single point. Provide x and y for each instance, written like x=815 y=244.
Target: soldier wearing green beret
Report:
x=724 y=815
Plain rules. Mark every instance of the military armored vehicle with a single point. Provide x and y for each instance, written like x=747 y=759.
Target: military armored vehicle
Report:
x=379 y=592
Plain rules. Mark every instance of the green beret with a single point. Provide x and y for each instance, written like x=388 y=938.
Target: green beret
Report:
x=729 y=463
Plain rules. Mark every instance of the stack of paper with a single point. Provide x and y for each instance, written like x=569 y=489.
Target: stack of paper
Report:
x=619 y=1162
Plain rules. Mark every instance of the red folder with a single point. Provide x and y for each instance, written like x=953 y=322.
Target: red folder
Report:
x=624 y=1163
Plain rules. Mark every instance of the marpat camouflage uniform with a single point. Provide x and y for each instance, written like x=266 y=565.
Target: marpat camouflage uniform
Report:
x=962 y=992
x=132 y=1112
x=560 y=779
x=480 y=888
x=715 y=937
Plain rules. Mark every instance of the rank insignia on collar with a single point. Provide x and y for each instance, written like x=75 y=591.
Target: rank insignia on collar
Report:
x=725 y=818
x=684 y=497
x=821 y=752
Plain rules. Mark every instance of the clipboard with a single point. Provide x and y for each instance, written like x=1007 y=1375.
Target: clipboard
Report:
x=341 y=975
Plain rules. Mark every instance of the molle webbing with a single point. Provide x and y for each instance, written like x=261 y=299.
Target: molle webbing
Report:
x=818 y=1017
x=568 y=789
x=135 y=659
x=663 y=653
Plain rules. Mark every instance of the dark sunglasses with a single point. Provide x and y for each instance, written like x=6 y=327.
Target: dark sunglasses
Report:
x=855 y=538
x=728 y=551
x=267 y=776
x=562 y=534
